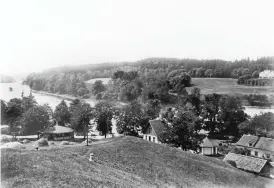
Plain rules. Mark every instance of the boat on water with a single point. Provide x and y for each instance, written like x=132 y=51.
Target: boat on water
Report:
x=11 y=89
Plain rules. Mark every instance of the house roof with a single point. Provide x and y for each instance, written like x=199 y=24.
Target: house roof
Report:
x=265 y=144
x=158 y=126
x=209 y=143
x=248 y=163
x=57 y=129
x=246 y=140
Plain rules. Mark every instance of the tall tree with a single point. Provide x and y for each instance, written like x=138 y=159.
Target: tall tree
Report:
x=35 y=119
x=3 y=112
x=98 y=87
x=152 y=108
x=132 y=119
x=81 y=115
x=182 y=132
x=259 y=125
x=61 y=113
x=103 y=117
x=231 y=114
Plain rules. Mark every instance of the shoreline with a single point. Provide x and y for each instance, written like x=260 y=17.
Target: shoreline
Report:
x=66 y=97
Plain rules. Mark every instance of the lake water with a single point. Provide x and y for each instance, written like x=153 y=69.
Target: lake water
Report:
x=6 y=95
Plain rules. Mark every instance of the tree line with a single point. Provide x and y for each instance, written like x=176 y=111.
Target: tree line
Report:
x=71 y=80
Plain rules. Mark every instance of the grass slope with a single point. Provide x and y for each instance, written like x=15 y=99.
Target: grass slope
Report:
x=121 y=162
x=227 y=86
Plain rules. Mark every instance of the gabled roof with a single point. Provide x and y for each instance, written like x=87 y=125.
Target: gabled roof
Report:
x=209 y=143
x=248 y=141
x=158 y=126
x=57 y=129
x=248 y=163
x=265 y=144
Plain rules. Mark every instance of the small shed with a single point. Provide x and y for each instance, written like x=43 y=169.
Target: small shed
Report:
x=209 y=147
x=57 y=132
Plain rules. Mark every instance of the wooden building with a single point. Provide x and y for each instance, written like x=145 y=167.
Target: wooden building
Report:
x=209 y=147
x=250 y=164
x=153 y=131
x=57 y=132
x=261 y=147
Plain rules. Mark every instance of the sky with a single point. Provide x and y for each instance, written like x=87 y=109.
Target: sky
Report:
x=36 y=35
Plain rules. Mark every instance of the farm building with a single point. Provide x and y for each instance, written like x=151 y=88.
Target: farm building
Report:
x=57 y=132
x=266 y=74
x=250 y=164
x=155 y=128
x=209 y=147
x=247 y=141
x=261 y=147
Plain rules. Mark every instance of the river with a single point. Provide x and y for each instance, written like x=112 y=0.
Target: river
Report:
x=52 y=101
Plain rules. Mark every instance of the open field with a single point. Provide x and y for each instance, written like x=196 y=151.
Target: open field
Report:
x=105 y=80
x=120 y=162
x=227 y=86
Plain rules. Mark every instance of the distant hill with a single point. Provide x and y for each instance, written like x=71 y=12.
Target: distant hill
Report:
x=121 y=162
x=6 y=79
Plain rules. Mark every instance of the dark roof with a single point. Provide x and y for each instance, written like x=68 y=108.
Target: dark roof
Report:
x=246 y=140
x=244 y=162
x=158 y=126
x=265 y=144
x=57 y=129
x=209 y=143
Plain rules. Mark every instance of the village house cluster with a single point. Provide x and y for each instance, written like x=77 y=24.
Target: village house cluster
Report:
x=261 y=157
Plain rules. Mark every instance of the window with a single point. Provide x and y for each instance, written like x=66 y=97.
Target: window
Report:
x=153 y=139
x=250 y=144
x=146 y=137
x=256 y=153
x=149 y=138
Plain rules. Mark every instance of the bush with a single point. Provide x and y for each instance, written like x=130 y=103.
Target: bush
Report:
x=241 y=151
x=41 y=142
x=5 y=139
x=232 y=163
x=64 y=143
x=25 y=141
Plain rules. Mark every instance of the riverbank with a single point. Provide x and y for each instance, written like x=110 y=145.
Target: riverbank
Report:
x=92 y=100
x=66 y=97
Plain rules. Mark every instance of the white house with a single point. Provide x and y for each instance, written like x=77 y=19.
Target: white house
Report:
x=266 y=74
x=155 y=128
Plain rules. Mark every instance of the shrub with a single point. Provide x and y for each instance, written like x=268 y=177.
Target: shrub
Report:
x=241 y=151
x=64 y=143
x=25 y=141
x=41 y=142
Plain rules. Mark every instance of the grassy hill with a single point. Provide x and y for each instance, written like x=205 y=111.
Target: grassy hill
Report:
x=227 y=86
x=121 y=162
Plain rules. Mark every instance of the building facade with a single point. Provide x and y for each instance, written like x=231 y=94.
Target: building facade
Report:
x=209 y=147
x=260 y=147
x=155 y=128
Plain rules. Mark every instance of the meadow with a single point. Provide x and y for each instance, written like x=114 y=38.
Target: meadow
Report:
x=120 y=162
x=227 y=86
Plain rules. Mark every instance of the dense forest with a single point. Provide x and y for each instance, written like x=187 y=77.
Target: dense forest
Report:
x=71 y=79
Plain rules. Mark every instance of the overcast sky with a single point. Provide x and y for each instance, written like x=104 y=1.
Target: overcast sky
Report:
x=38 y=34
